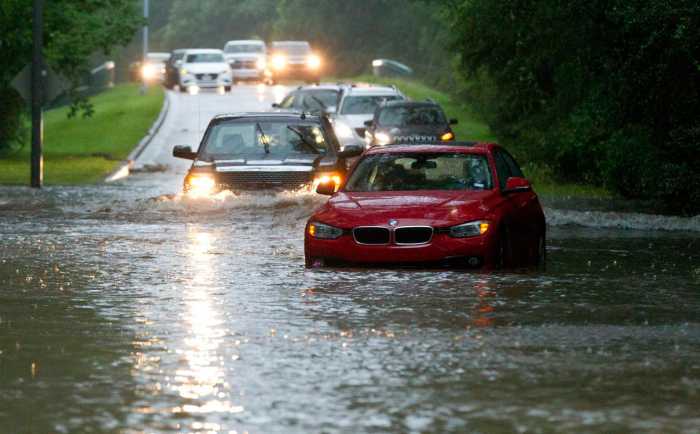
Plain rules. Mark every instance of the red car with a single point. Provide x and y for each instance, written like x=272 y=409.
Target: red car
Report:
x=463 y=204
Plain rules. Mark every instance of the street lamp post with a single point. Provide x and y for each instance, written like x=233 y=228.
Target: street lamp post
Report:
x=145 y=45
x=37 y=159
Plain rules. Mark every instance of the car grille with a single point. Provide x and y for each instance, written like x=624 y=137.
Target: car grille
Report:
x=371 y=235
x=413 y=235
x=206 y=77
x=360 y=131
x=244 y=64
x=264 y=179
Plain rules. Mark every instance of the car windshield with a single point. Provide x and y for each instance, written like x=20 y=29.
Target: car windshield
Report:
x=401 y=116
x=365 y=104
x=205 y=58
x=316 y=98
x=420 y=171
x=261 y=138
x=245 y=48
x=292 y=49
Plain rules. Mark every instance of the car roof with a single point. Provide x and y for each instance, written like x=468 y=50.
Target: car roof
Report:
x=370 y=90
x=253 y=115
x=246 y=42
x=325 y=86
x=305 y=43
x=203 y=50
x=460 y=147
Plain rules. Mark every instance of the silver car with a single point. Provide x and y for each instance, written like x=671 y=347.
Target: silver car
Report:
x=247 y=58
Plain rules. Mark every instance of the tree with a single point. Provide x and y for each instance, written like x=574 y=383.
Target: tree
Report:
x=74 y=31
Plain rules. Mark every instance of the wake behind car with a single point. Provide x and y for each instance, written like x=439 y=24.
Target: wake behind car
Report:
x=465 y=205
x=397 y=122
x=264 y=150
x=204 y=68
x=247 y=58
x=293 y=60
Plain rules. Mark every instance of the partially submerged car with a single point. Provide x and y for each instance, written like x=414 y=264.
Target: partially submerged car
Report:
x=465 y=205
x=397 y=122
x=247 y=58
x=204 y=68
x=293 y=60
x=247 y=151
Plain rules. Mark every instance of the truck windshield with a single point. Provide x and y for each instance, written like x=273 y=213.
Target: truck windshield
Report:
x=401 y=116
x=364 y=104
x=260 y=138
x=421 y=171
x=244 y=48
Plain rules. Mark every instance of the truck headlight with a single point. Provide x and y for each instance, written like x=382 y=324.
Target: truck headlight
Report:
x=382 y=138
x=342 y=130
x=279 y=62
x=313 y=61
x=324 y=232
x=200 y=185
x=470 y=229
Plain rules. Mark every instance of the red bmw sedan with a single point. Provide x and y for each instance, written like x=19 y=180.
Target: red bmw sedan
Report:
x=464 y=205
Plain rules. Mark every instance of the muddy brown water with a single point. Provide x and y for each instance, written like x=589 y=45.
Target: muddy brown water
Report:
x=126 y=309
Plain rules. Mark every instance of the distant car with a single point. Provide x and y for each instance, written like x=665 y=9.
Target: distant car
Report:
x=357 y=105
x=204 y=68
x=397 y=122
x=293 y=60
x=172 y=68
x=465 y=205
x=312 y=99
x=247 y=58
x=264 y=150
x=150 y=71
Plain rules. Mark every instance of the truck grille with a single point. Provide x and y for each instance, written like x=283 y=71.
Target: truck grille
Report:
x=264 y=179
x=244 y=64
x=413 y=235
x=371 y=235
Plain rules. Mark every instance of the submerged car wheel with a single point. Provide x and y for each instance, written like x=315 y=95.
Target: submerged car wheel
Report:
x=227 y=88
x=504 y=251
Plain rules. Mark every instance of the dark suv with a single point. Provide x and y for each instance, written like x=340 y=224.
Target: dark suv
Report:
x=406 y=122
x=264 y=150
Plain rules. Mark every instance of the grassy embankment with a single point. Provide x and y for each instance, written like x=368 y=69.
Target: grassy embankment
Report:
x=471 y=127
x=85 y=150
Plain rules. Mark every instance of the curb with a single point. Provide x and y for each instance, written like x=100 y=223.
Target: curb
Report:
x=124 y=168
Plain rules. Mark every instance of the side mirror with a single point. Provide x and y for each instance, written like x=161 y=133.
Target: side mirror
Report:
x=275 y=105
x=326 y=188
x=351 y=151
x=184 y=152
x=369 y=123
x=516 y=184
x=178 y=63
x=454 y=121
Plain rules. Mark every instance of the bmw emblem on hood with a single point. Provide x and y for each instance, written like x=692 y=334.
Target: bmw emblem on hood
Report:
x=393 y=222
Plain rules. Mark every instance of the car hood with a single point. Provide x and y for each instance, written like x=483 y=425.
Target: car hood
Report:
x=261 y=163
x=355 y=121
x=205 y=68
x=432 y=208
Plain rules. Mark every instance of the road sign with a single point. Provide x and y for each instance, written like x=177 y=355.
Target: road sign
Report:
x=53 y=84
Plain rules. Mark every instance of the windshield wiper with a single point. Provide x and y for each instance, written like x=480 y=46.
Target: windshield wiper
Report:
x=263 y=138
x=308 y=144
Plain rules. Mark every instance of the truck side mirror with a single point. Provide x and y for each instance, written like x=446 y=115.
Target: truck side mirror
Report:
x=184 y=152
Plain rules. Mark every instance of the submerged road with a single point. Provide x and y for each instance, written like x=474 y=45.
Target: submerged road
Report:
x=125 y=307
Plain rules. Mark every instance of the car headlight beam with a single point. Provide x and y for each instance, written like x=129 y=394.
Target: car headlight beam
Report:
x=382 y=138
x=313 y=61
x=200 y=185
x=470 y=229
x=279 y=62
x=342 y=130
x=324 y=232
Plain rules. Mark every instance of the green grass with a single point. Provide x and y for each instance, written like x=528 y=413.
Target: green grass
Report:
x=472 y=127
x=82 y=150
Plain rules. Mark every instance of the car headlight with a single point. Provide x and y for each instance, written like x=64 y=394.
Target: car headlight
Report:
x=279 y=61
x=260 y=63
x=225 y=71
x=342 y=130
x=324 y=232
x=326 y=178
x=470 y=229
x=313 y=61
x=382 y=138
x=148 y=71
x=200 y=185
x=183 y=71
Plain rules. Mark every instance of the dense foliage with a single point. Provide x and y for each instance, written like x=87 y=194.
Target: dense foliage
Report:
x=606 y=92
x=74 y=30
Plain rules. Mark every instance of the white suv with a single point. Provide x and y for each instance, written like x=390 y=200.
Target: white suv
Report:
x=356 y=106
x=247 y=58
x=204 y=68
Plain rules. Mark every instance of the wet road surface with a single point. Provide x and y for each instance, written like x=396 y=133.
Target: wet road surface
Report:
x=127 y=308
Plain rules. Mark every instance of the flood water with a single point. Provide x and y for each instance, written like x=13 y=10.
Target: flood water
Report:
x=126 y=309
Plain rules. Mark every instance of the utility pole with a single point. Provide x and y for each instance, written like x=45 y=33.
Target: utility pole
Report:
x=37 y=158
x=145 y=45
